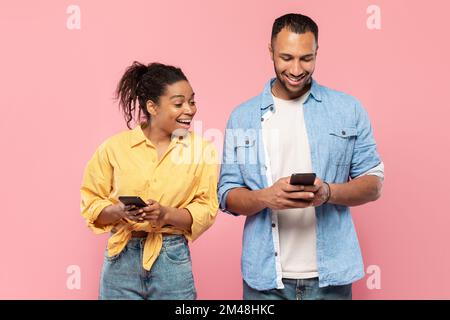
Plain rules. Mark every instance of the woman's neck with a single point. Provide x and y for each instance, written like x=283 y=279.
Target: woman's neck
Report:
x=156 y=135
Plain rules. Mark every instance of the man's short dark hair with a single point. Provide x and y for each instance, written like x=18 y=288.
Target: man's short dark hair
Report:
x=296 y=23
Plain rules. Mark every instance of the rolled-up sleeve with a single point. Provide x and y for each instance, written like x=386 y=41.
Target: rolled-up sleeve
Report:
x=230 y=173
x=96 y=188
x=204 y=205
x=365 y=155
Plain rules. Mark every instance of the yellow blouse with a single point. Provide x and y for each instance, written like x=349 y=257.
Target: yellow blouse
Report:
x=127 y=164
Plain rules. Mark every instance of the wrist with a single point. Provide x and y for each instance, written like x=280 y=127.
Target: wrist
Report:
x=110 y=215
x=116 y=212
x=261 y=196
x=166 y=215
x=328 y=194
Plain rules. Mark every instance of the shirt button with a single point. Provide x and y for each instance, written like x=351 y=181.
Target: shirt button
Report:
x=247 y=142
x=276 y=254
x=271 y=108
x=262 y=119
x=343 y=132
x=273 y=225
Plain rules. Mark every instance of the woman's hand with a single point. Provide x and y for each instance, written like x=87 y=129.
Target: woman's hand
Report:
x=160 y=216
x=153 y=212
x=112 y=214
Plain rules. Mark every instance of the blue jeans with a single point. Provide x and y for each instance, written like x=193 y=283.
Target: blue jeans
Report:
x=302 y=289
x=170 y=277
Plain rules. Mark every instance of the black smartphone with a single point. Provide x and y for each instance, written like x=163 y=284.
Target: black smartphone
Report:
x=132 y=200
x=303 y=179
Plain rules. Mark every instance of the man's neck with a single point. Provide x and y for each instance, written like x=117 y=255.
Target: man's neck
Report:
x=281 y=93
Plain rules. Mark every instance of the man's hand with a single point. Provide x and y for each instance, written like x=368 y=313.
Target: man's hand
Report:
x=321 y=194
x=283 y=195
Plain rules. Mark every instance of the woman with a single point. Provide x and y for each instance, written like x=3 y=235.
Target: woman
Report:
x=162 y=162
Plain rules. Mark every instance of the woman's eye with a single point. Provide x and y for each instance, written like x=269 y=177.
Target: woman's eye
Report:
x=178 y=105
x=192 y=103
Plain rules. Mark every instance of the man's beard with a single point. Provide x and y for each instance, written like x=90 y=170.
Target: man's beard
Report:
x=299 y=91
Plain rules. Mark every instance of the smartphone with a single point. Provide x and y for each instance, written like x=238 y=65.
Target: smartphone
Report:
x=303 y=179
x=132 y=200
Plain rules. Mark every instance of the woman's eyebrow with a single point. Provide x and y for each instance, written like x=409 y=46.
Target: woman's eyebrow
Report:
x=177 y=96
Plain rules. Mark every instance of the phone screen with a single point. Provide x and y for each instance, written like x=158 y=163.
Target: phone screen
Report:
x=132 y=200
x=304 y=179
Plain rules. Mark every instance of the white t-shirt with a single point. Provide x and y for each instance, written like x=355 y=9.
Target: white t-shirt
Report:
x=288 y=149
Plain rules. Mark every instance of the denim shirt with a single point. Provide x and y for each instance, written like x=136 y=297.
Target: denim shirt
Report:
x=342 y=147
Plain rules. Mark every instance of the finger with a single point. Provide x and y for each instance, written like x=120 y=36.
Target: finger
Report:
x=131 y=217
x=306 y=196
x=151 y=207
x=291 y=204
x=150 y=202
x=152 y=217
x=140 y=217
x=311 y=188
x=318 y=182
x=285 y=180
x=134 y=212
x=292 y=188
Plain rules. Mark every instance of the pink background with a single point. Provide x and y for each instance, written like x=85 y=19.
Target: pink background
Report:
x=56 y=108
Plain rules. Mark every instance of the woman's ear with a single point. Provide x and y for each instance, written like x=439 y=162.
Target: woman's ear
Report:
x=151 y=107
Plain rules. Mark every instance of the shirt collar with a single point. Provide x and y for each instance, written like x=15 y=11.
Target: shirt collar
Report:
x=138 y=136
x=267 y=99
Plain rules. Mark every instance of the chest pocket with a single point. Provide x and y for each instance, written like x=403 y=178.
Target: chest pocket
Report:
x=342 y=143
x=247 y=158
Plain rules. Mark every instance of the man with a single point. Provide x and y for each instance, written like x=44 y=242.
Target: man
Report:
x=299 y=241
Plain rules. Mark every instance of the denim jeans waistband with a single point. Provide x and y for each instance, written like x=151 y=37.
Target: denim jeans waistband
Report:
x=168 y=240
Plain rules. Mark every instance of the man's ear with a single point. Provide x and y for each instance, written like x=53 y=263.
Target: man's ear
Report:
x=151 y=107
x=271 y=51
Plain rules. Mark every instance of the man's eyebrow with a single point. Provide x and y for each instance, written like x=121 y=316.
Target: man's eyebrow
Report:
x=303 y=56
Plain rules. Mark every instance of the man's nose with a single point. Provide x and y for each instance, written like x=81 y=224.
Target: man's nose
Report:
x=296 y=69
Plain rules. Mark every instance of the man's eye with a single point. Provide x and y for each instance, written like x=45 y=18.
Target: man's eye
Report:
x=285 y=58
x=178 y=105
x=192 y=103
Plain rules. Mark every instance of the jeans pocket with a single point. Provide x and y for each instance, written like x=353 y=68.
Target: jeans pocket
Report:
x=115 y=257
x=177 y=253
